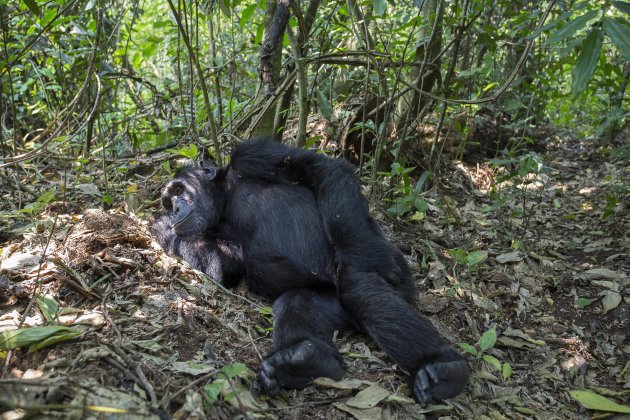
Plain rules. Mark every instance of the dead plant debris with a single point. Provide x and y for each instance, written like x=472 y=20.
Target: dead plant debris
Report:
x=530 y=280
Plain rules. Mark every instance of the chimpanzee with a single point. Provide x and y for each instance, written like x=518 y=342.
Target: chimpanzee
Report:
x=295 y=225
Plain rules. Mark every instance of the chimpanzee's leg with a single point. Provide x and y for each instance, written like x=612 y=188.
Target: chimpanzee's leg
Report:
x=437 y=370
x=304 y=323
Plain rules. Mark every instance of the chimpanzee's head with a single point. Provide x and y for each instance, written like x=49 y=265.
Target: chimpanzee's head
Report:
x=195 y=199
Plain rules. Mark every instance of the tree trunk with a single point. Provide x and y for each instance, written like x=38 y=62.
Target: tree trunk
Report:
x=270 y=64
x=427 y=70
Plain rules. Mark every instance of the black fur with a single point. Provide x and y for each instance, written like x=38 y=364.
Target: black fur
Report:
x=296 y=224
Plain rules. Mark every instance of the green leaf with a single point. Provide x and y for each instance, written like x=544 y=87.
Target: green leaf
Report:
x=259 y=33
x=213 y=390
x=493 y=361
x=468 y=348
x=611 y=300
x=266 y=310
x=247 y=14
x=47 y=197
x=488 y=339
x=619 y=33
x=506 y=371
x=583 y=302
x=40 y=203
x=224 y=5
x=33 y=7
x=36 y=337
x=594 y=401
x=324 y=105
x=623 y=6
x=189 y=151
x=379 y=6
x=48 y=306
x=53 y=339
x=426 y=175
x=476 y=257
x=235 y=369
x=459 y=255
x=48 y=17
x=587 y=61
x=489 y=86
x=421 y=204
x=166 y=166
x=572 y=27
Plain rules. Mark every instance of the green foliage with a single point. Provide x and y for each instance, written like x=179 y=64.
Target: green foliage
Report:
x=587 y=60
x=36 y=337
x=487 y=341
x=611 y=203
x=593 y=401
x=149 y=93
x=38 y=205
x=267 y=314
x=583 y=302
x=407 y=197
x=48 y=306
x=189 y=151
x=221 y=385
x=468 y=259
x=619 y=33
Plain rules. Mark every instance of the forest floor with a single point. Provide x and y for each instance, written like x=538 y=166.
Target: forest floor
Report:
x=533 y=280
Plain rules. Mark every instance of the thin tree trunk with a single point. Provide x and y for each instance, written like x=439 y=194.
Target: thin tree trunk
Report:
x=300 y=139
x=282 y=110
x=270 y=54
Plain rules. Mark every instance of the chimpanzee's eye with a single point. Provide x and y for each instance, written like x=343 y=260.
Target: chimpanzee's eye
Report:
x=178 y=190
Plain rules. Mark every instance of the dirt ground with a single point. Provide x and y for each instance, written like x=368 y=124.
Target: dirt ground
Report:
x=531 y=281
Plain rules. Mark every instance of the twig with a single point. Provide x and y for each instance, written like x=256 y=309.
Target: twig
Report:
x=506 y=84
x=31 y=302
x=249 y=333
x=142 y=379
x=19 y=185
x=228 y=291
x=195 y=382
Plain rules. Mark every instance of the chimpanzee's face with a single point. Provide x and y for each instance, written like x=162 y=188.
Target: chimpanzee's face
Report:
x=195 y=200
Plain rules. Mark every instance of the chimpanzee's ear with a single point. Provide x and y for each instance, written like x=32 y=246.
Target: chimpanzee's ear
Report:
x=211 y=172
x=208 y=164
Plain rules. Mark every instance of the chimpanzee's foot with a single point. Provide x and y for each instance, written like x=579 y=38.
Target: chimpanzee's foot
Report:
x=438 y=381
x=296 y=366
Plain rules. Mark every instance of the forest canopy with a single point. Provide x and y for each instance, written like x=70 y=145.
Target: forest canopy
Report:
x=126 y=77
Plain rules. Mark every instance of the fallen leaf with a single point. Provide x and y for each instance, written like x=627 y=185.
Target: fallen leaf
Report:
x=191 y=368
x=594 y=401
x=344 y=384
x=601 y=274
x=369 y=397
x=88 y=189
x=18 y=261
x=510 y=257
x=611 y=300
x=375 y=413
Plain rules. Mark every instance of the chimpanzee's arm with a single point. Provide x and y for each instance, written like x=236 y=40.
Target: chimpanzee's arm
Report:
x=357 y=239
x=221 y=260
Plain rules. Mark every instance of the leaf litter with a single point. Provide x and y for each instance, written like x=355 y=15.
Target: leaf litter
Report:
x=534 y=288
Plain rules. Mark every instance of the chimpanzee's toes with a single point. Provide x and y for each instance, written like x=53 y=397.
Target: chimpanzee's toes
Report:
x=296 y=366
